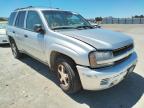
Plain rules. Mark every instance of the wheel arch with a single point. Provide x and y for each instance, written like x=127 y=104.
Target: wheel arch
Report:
x=10 y=38
x=76 y=54
x=55 y=54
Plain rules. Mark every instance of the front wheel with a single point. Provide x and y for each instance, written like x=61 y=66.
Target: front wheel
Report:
x=68 y=76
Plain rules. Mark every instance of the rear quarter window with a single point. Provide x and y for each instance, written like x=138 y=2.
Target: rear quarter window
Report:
x=11 y=18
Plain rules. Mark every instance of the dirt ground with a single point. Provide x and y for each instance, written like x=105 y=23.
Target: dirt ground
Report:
x=27 y=83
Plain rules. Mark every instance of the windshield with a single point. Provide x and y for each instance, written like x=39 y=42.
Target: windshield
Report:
x=64 y=20
x=3 y=25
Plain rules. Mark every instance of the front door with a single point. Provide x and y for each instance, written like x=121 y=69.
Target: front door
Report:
x=34 y=42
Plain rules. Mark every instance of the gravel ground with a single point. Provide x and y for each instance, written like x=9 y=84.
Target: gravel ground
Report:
x=27 y=83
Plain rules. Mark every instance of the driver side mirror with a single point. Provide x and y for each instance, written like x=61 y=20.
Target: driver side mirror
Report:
x=39 y=29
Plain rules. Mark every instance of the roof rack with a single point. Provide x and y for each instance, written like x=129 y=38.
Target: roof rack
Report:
x=24 y=8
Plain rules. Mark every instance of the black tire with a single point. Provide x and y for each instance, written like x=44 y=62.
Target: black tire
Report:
x=15 y=50
x=73 y=80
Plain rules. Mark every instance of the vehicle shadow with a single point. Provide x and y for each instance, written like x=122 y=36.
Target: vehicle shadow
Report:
x=124 y=95
x=40 y=68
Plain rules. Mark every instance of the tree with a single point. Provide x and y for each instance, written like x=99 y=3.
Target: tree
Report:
x=98 y=19
x=141 y=16
x=3 y=19
x=138 y=16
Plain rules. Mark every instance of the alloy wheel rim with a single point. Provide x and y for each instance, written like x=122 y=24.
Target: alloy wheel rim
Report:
x=63 y=76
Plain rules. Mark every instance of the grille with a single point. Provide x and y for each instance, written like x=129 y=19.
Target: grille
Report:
x=120 y=61
x=123 y=50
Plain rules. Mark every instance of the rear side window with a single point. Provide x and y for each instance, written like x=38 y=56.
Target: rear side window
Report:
x=32 y=19
x=20 y=19
x=11 y=18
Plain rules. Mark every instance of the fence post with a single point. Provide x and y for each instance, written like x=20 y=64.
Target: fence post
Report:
x=118 y=20
x=140 y=21
x=125 y=20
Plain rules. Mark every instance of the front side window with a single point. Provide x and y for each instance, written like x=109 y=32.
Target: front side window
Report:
x=61 y=19
x=20 y=19
x=32 y=19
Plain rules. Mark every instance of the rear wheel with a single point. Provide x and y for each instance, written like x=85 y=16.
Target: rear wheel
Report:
x=15 y=50
x=68 y=76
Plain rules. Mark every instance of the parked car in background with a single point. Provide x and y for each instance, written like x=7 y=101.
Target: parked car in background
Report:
x=94 y=24
x=82 y=55
x=3 y=37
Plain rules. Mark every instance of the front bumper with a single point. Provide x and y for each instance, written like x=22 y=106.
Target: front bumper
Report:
x=99 y=79
x=3 y=39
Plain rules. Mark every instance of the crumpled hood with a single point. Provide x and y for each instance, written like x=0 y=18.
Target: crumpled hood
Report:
x=100 y=38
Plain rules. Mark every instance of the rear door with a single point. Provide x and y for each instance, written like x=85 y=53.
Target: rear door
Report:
x=34 y=42
x=19 y=29
x=10 y=27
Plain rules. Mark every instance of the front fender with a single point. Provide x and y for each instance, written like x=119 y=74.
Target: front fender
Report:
x=79 y=55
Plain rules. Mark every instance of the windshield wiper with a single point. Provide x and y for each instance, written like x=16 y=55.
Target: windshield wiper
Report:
x=56 y=28
x=85 y=27
x=78 y=27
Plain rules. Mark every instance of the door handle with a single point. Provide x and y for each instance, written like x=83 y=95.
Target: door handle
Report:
x=26 y=36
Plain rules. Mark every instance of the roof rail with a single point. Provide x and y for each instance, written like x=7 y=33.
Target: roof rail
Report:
x=24 y=8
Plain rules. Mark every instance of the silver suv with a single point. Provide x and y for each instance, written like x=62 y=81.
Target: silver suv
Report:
x=82 y=55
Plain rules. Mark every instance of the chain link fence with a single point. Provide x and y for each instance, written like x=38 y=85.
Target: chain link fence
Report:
x=123 y=21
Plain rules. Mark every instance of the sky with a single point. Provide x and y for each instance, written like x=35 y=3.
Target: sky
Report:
x=87 y=8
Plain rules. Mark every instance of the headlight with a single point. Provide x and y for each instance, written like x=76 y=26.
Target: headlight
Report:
x=99 y=58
